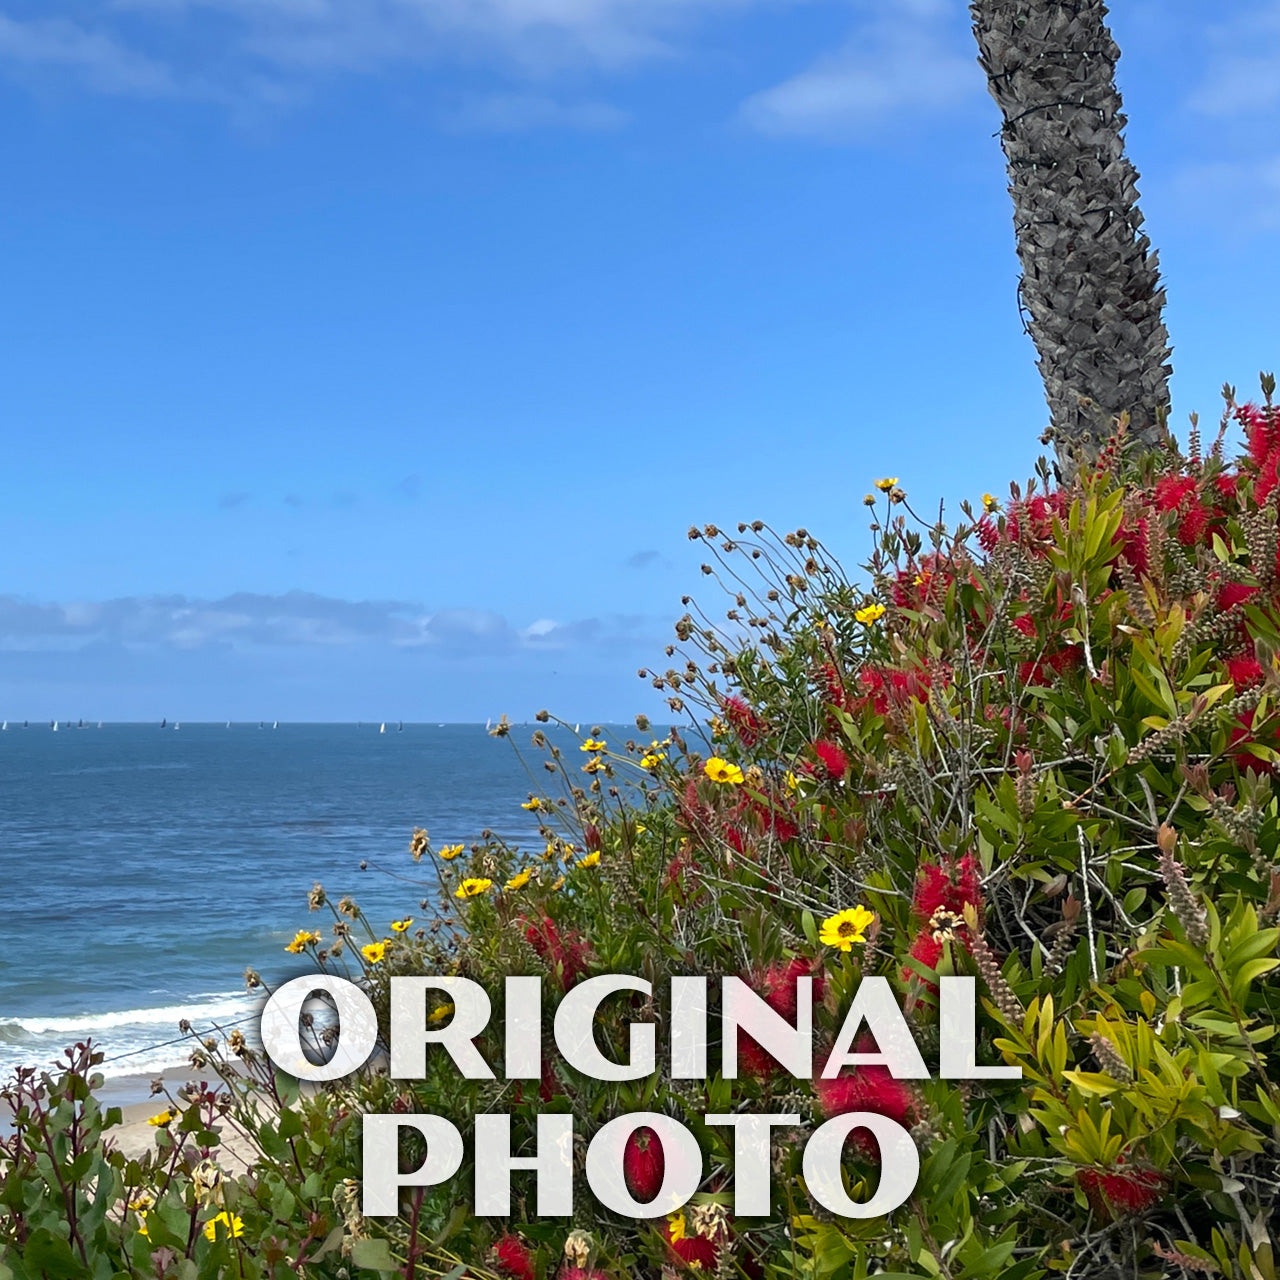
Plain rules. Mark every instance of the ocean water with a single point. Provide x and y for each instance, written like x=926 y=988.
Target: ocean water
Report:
x=143 y=869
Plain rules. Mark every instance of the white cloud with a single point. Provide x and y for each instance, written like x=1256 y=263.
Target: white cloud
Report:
x=1243 y=75
x=904 y=62
x=1244 y=194
x=97 y=59
x=525 y=112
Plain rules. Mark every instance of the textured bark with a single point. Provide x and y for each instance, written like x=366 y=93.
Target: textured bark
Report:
x=1090 y=279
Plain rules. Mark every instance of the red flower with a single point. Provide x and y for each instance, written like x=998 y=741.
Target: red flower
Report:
x=1242 y=734
x=697 y=1252
x=951 y=887
x=832 y=758
x=1135 y=545
x=1193 y=524
x=777 y=986
x=1235 y=593
x=866 y=1088
x=744 y=721
x=565 y=955
x=1172 y=491
x=928 y=950
x=1116 y=1192
x=514 y=1258
x=644 y=1164
x=1244 y=671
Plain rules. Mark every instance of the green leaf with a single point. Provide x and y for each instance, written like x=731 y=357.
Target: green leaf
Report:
x=373 y=1254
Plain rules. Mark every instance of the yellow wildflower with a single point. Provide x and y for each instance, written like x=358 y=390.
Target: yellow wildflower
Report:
x=790 y=781
x=519 y=881
x=549 y=853
x=374 y=952
x=594 y=765
x=440 y=1013
x=301 y=941
x=229 y=1222
x=143 y=1229
x=559 y=884
x=420 y=843
x=162 y=1121
x=143 y=1201
x=719 y=770
x=989 y=503
x=886 y=484
x=872 y=613
x=401 y=926
x=591 y=860
x=652 y=760
x=846 y=927
x=451 y=851
x=473 y=888
x=676 y=1227
x=533 y=803
x=592 y=745
x=718 y=727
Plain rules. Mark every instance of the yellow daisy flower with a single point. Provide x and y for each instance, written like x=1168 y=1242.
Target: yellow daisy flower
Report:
x=230 y=1223
x=591 y=860
x=473 y=888
x=162 y=1121
x=846 y=927
x=401 y=926
x=440 y=1013
x=989 y=503
x=676 y=1227
x=872 y=613
x=374 y=952
x=592 y=745
x=559 y=884
x=533 y=803
x=451 y=851
x=886 y=484
x=719 y=770
x=594 y=765
x=791 y=782
x=301 y=941
x=652 y=760
x=519 y=881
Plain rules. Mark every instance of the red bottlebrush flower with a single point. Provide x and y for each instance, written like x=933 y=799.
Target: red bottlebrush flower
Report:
x=566 y=955
x=1193 y=524
x=833 y=759
x=1235 y=593
x=866 y=1088
x=988 y=534
x=1135 y=545
x=1241 y=734
x=1244 y=671
x=549 y=1085
x=1226 y=482
x=1116 y=1192
x=1172 y=491
x=1261 y=428
x=644 y=1164
x=690 y=1246
x=928 y=950
x=832 y=684
x=1027 y=625
x=514 y=1258
x=743 y=720
x=949 y=887
x=777 y=986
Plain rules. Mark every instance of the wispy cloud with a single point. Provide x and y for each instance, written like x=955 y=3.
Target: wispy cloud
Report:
x=1242 y=195
x=95 y=58
x=296 y=618
x=908 y=59
x=1242 y=75
x=525 y=112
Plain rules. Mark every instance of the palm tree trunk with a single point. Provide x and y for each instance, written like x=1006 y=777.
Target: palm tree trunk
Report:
x=1090 y=279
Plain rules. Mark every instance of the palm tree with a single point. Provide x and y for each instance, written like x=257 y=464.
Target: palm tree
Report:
x=1090 y=279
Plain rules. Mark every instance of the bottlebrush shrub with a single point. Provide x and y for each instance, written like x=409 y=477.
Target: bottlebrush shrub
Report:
x=1036 y=748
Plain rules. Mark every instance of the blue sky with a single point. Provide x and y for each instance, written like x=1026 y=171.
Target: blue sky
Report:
x=370 y=358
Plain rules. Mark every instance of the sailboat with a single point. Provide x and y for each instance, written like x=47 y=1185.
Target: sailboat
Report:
x=5 y=725
x=99 y=724
x=54 y=726
x=275 y=724
x=176 y=725
x=164 y=724
x=400 y=727
x=382 y=728
x=228 y=724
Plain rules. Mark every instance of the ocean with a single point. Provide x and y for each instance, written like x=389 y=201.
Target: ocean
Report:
x=144 y=868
